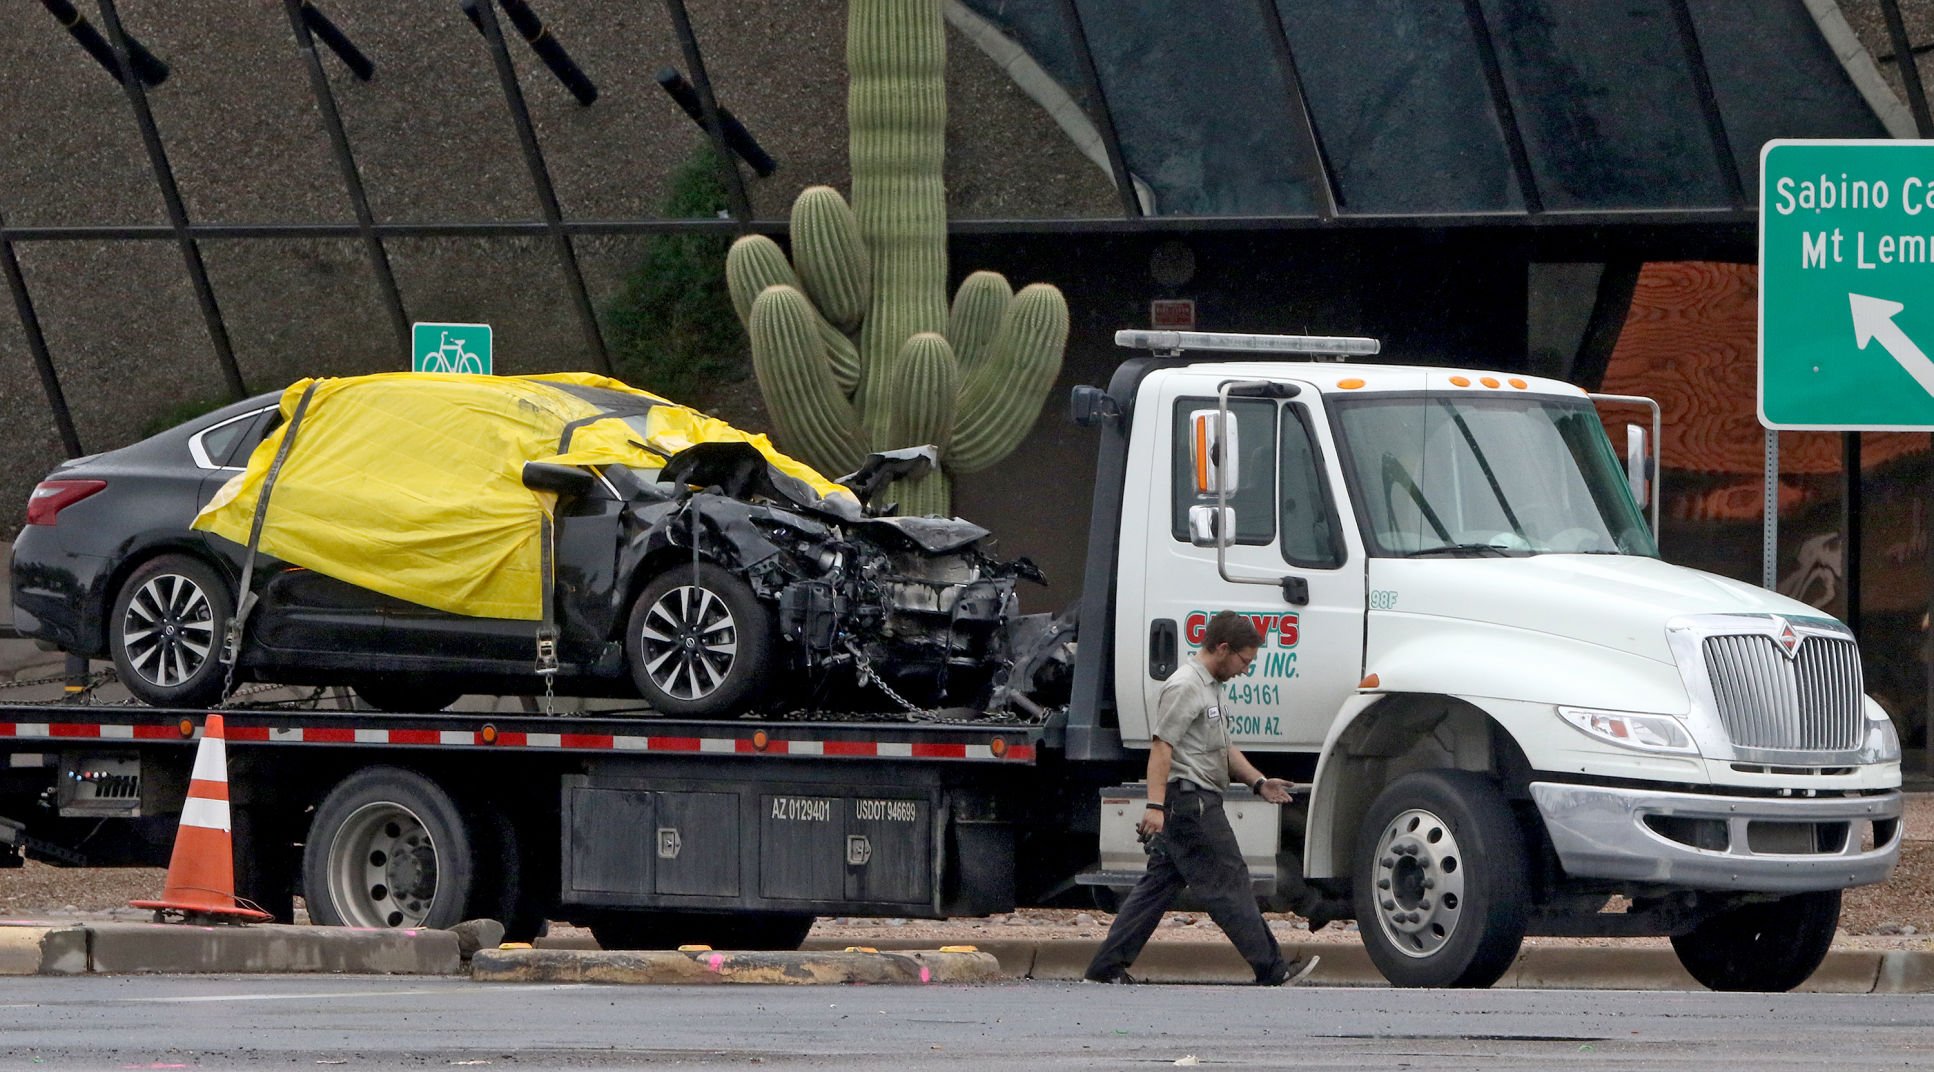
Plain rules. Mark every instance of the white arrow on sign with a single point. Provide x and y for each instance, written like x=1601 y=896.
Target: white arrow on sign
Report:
x=1873 y=318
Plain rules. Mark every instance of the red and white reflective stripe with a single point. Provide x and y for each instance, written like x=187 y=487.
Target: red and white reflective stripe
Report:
x=628 y=743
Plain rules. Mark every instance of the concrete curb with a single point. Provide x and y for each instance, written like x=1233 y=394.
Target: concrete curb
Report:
x=37 y=950
x=1850 y=971
x=913 y=967
x=168 y=948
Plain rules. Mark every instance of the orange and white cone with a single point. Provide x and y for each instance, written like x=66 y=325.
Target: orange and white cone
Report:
x=201 y=874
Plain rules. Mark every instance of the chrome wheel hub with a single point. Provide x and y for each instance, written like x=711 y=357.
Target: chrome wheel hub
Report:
x=383 y=868
x=1419 y=880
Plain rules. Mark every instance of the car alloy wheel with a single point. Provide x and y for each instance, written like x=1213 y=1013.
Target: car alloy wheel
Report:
x=690 y=641
x=169 y=630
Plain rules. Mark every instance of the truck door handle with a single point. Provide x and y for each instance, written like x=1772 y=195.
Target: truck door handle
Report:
x=1162 y=647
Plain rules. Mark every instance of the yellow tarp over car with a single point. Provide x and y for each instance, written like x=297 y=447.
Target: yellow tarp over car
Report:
x=411 y=484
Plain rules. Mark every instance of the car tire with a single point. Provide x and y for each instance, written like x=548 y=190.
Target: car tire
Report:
x=698 y=642
x=1440 y=881
x=165 y=632
x=389 y=848
x=406 y=697
x=1770 y=947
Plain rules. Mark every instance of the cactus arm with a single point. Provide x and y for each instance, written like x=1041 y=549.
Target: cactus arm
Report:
x=1002 y=396
x=810 y=411
x=754 y=263
x=925 y=383
x=831 y=257
x=979 y=304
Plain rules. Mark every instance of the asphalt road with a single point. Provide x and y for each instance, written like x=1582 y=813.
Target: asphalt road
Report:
x=165 y=1022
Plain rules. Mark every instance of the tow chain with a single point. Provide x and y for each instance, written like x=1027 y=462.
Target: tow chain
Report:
x=89 y=682
x=870 y=676
x=909 y=711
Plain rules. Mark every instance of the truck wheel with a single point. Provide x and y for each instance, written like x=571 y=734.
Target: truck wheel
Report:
x=669 y=930
x=1771 y=946
x=699 y=642
x=388 y=848
x=165 y=632
x=1440 y=881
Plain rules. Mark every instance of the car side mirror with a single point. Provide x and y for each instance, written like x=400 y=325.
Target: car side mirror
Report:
x=561 y=479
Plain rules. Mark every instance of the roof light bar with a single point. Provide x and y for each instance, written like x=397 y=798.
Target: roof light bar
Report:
x=1177 y=341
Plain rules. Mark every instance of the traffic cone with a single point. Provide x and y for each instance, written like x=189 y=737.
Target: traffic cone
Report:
x=201 y=874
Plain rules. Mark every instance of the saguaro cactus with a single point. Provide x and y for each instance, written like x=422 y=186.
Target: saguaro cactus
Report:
x=853 y=344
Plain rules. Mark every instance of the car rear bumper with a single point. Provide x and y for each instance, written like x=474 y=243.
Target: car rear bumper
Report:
x=56 y=594
x=1697 y=841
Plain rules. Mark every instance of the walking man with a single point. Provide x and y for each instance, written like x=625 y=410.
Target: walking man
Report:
x=1190 y=842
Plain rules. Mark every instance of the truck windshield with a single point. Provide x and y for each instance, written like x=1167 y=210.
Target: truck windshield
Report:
x=1498 y=475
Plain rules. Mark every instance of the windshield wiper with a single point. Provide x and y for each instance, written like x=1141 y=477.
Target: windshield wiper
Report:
x=1459 y=548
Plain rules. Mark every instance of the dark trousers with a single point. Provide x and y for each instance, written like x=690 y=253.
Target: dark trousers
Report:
x=1197 y=849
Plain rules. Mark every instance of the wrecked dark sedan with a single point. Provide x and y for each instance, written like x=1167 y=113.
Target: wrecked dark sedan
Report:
x=423 y=536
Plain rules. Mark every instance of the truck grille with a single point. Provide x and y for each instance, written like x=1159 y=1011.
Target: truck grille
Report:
x=1807 y=703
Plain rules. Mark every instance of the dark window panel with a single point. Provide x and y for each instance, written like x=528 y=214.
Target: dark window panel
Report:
x=1611 y=118
x=1201 y=107
x=1401 y=105
x=1775 y=77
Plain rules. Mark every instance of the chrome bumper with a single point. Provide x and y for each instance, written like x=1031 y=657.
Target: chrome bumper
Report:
x=1693 y=841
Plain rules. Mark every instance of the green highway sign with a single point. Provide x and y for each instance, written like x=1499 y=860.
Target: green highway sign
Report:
x=450 y=348
x=1846 y=285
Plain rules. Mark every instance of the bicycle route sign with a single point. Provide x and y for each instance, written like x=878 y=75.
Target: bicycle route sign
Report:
x=1846 y=285
x=450 y=348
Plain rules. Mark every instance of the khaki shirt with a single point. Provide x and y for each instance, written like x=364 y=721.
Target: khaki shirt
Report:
x=1190 y=716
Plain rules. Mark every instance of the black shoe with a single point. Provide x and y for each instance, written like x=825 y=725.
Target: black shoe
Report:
x=1289 y=972
x=1117 y=977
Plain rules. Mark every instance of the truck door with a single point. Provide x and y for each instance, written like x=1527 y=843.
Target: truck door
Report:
x=1288 y=528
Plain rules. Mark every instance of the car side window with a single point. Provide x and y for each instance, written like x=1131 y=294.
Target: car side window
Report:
x=227 y=445
x=1309 y=522
x=1254 y=499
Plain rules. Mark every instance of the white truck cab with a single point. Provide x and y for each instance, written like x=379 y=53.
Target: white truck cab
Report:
x=1516 y=709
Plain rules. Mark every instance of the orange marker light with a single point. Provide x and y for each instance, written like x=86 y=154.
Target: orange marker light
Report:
x=1517 y=383
x=760 y=740
x=1370 y=681
x=1460 y=381
x=489 y=733
x=998 y=746
x=1350 y=384
x=1202 y=456
x=187 y=728
x=1489 y=381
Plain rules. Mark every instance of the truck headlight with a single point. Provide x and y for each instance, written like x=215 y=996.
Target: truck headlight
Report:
x=1653 y=733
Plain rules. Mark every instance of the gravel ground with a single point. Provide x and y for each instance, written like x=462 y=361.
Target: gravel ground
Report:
x=1898 y=914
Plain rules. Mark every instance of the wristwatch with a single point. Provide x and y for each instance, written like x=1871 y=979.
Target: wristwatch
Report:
x=1256 y=786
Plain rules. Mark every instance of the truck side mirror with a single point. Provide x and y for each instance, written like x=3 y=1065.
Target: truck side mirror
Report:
x=1638 y=466
x=1206 y=529
x=1213 y=450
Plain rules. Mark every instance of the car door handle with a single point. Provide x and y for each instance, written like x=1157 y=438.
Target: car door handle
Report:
x=1162 y=649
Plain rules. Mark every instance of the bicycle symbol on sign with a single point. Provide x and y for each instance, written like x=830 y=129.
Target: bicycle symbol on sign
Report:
x=452 y=357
